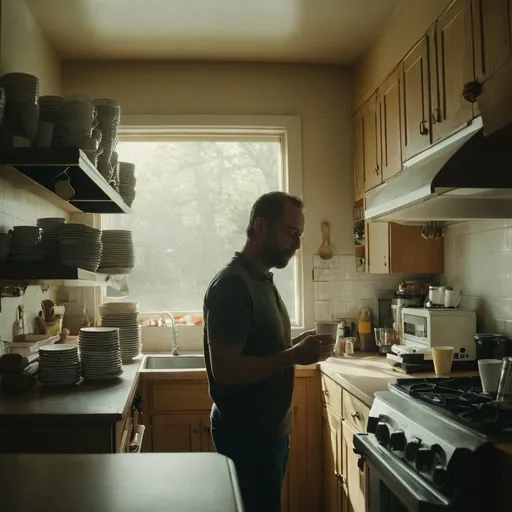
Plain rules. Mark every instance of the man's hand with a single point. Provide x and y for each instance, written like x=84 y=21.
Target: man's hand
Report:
x=307 y=351
x=302 y=336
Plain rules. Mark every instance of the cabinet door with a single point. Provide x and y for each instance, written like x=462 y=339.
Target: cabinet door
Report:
x=377 y=243
x=452 y=67
x=207 y=444
x=358 y=156
x=355 y=478
x=491 y=35
x=372 y=172
x=415 y=100
x=332 y=478
x=177 y=433
x=389 y=127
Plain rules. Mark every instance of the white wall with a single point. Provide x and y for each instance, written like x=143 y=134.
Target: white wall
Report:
x=478 y=262
x=24 y=48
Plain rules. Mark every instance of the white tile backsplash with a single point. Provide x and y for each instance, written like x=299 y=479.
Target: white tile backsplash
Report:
x=348 y=289
x=19 y=207
x=478 y=263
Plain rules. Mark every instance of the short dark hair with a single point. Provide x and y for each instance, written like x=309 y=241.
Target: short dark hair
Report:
x=270 y=207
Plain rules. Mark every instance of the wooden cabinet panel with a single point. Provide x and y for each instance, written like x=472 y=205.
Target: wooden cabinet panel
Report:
x=332 y=473
x=415 y=100
x=491 y=36
x=410 y=253
x=377 y=246
x=358 y=156
x=331 y=394
x=390 y=141
x=355 y=412
x=177 y=433
x=355 y=478
x=452 y=67
x=372 y=172
x=181 y=396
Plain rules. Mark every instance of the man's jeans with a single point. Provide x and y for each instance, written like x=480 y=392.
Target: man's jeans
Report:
x=260 y=463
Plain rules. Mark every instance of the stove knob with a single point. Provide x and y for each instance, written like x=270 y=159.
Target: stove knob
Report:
x=424 y=459
x=411 y=450
x=371 y=427
x=397 y=441
x=382 y=433
x=439 y=476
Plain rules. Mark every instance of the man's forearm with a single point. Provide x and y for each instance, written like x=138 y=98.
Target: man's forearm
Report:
x=249 y=369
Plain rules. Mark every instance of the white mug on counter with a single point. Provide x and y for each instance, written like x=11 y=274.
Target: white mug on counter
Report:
x=436 y=295
x=451 y=298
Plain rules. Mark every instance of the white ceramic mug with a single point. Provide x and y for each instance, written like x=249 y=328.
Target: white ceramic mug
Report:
x=451 y=299
x=490 y=373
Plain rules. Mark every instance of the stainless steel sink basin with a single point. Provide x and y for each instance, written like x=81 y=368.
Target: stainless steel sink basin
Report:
x=173 y=362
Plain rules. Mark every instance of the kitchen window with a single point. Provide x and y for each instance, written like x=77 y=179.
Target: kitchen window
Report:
x=194 y=194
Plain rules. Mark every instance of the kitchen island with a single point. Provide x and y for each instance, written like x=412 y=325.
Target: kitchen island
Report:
x=195 y=482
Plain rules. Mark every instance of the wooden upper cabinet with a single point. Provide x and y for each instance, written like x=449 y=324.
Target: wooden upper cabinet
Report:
x=372 y=172
x=358 y=156
x=390 y=142
x=451 y=68
x=491 y=35
x=377 y=247
x=414 y=86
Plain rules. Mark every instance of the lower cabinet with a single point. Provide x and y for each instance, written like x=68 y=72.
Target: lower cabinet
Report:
x=332 y=473
x=178 y=420
x=181 y=432
x=354 y=477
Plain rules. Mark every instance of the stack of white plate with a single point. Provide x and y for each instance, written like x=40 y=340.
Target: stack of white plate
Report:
x=80 y=246
x=118 y=255
x=49 y=107
x=51 y=227
x=22 y=104
x=127 y=182
x=109 y=117
x=124 y=315
x=59 y=365
x=100 y=353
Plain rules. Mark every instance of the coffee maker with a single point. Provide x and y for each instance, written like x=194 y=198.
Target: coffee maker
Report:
x=410 y=294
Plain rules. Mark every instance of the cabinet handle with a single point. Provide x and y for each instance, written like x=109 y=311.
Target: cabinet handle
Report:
x=339 y=478
x=207 y=429
x=355 y=415
x=423 y=128
x=195 y=431
x=471 y=91
x=436 y=116
x=326 y=393
x=377 y=170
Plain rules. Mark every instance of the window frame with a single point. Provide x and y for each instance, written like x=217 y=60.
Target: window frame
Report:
x=152 y=127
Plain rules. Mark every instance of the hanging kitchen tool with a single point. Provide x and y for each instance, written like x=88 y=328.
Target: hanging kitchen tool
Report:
x=326 y=252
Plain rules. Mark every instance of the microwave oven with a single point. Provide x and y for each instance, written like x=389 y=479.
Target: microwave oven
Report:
x=424 y=328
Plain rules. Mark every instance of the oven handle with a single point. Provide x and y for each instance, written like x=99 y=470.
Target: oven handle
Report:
x=416 y=494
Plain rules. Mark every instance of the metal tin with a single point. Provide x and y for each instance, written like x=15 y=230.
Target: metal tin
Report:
x=505 y=386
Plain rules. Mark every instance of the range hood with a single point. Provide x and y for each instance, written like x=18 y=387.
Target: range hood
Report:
x=465 y=177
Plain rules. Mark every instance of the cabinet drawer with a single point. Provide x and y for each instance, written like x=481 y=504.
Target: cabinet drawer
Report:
x=180 y=396
x=355 y=412
x=331 y=393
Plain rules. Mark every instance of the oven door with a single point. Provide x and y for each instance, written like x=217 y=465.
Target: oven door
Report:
x=393 y=486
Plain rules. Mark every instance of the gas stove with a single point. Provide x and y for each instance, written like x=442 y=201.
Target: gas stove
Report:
x=430 y=445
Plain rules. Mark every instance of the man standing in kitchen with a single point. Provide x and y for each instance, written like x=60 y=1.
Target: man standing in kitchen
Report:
x=250 y=354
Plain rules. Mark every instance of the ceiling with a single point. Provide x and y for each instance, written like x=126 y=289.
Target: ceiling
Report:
x=316 y=31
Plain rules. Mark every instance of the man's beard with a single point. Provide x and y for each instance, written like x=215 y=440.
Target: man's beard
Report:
x=275 y=258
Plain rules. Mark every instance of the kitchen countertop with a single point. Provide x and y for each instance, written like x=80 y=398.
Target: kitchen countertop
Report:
x=364 y=375
x=127 y=482
x=91 y=401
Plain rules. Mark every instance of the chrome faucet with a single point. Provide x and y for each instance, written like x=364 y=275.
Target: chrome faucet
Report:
x=174 y=332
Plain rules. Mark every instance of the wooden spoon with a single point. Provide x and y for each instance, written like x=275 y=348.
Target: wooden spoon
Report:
x=326 y=252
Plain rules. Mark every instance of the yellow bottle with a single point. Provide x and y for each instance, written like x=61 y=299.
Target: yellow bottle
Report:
x=364 y=330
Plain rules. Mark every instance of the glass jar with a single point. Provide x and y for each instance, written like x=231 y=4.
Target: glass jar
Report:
x=365 y=330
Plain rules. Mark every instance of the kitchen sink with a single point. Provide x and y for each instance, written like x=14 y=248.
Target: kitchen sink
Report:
x=173 y=362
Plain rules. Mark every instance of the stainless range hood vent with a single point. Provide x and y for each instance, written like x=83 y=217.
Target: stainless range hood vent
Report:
x=466 y=177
